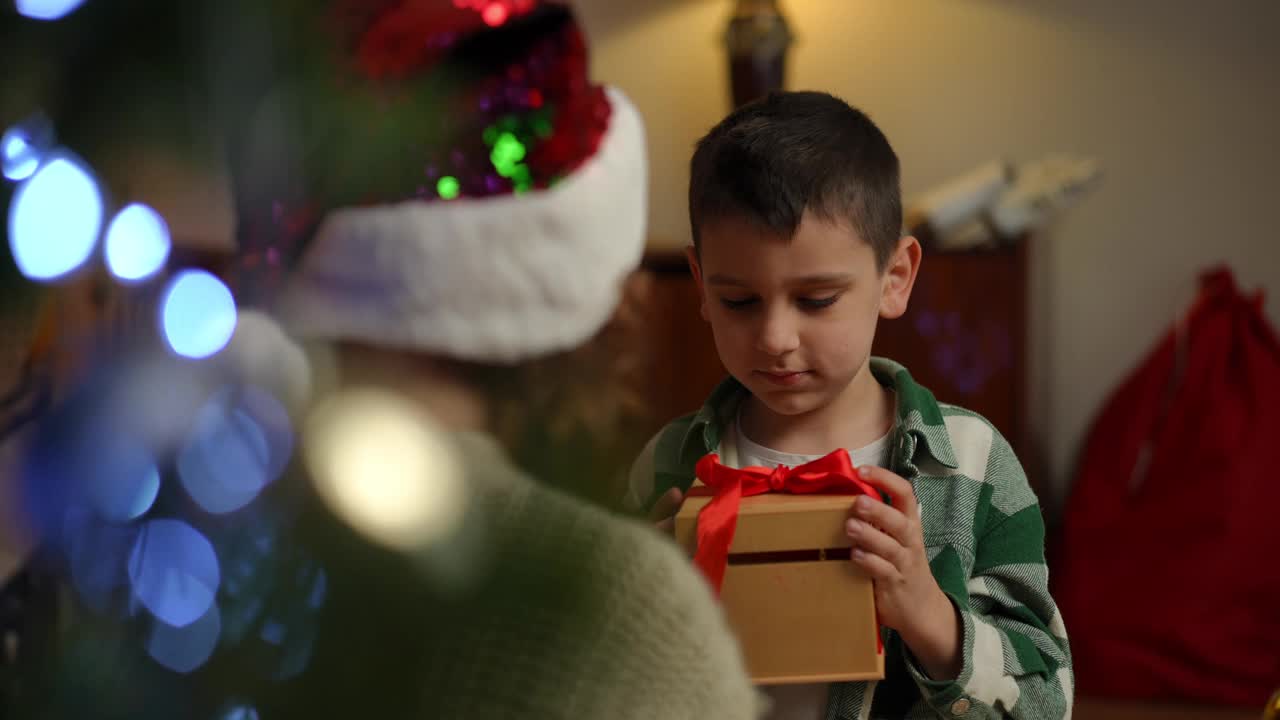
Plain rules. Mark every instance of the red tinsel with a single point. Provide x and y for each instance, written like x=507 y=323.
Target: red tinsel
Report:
x=410 y=35
x=548 y=89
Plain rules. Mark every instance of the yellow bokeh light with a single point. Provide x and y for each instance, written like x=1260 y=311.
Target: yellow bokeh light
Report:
x=383 y=466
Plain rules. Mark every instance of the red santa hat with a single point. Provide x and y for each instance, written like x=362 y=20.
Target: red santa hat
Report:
x=441 y=176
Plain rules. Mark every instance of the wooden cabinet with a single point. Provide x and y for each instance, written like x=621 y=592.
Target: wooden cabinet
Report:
x=681 y=355
x=964 y=337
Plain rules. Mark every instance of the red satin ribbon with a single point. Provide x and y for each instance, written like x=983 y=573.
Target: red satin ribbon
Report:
x=832 y=474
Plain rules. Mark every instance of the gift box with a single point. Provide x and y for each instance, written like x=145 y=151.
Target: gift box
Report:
x=802 y=611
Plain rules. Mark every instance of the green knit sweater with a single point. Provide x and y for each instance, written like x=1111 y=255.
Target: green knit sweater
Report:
x=576 y=613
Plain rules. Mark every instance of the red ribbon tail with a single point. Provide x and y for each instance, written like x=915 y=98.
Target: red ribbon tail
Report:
x=879 y=635
x=716 y=526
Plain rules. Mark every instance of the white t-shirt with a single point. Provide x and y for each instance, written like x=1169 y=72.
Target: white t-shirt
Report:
x=751 y=453
x=806 y=701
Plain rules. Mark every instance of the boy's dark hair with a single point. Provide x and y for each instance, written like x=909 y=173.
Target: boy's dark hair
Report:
x=774 y=158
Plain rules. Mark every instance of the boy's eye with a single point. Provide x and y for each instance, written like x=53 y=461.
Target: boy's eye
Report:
x=737 y=303
x=818 y=303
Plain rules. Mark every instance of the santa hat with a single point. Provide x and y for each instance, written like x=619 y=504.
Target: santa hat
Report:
x=442 y=177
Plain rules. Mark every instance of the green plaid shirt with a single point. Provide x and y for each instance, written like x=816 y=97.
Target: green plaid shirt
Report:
x=985 y=540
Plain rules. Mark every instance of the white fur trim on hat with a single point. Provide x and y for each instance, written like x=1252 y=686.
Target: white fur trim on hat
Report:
x=499 y=279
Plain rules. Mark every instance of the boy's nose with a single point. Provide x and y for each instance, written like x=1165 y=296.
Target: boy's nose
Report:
x=777 y=335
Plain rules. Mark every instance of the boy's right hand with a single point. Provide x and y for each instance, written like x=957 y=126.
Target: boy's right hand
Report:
x=664 y=511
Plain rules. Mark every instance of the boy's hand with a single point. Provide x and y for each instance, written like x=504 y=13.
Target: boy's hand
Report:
x=888 y=544
x=664 y=511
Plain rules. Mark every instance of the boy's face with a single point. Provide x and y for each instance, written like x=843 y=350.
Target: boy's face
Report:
x=793 y=318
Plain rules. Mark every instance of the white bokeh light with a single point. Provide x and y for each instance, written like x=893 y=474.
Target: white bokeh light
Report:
x=47 y=9
x=18 y=156
x=54 y=219
x=137 y=243
x=197 y=314
x=385 y=468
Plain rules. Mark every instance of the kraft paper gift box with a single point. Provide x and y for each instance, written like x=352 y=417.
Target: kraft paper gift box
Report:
x=802 y=611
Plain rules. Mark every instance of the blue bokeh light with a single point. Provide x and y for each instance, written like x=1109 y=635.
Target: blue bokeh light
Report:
x=54 y=219
x=123 y=481
x=137 y=243
x=19 y=157
x=250 y=575
x=927 y=323
x=280 y=641
x=287 y=643
x=238 y=711
x=247 y=554
x=241 y=613
x=299 y=644
x=184 y=649
x=223 y=465
x=241 y=442
x=291 y=634
x=47 y=9
x=273 y=632
x=174 y=571
x=98 y=554
x=319 y=590
x=198 y=314
x=48 y=478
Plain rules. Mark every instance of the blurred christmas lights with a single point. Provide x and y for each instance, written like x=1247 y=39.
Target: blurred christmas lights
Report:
x=174 y=571
x=54 y=219
x=47 y=9
x=137 y=244
x=240 y=442
x=19 y=156
x=197 y=314
x=385 y=469
x=185 y=649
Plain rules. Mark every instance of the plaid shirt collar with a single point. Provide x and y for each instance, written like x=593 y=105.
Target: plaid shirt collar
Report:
x=919 y=427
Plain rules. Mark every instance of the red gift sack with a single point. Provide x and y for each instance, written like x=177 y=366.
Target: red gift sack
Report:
x=1169 y=572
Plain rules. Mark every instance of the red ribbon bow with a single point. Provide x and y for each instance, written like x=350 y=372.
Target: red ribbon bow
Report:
x=831 y=474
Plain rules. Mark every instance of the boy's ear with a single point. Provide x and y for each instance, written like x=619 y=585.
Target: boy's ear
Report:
x=691 y=254
x=899 y=278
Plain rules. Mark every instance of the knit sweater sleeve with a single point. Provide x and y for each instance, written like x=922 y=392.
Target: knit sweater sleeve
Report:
x=583 y=614
x=653 y=643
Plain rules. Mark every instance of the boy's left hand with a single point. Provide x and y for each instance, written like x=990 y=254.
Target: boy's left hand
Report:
x=888 y=544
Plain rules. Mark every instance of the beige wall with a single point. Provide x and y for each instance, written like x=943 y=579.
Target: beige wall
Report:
x=1180 y=99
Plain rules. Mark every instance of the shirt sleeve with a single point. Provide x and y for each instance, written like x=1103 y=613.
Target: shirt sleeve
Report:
x=1017 y=661
x=640 y=478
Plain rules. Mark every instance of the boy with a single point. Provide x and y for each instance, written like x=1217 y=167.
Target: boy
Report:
x=796 y=214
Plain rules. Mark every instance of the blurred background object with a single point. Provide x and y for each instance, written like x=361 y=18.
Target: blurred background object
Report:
x=998 y=202
x=1177 y=470
x=1272 y=711
x=757 y=39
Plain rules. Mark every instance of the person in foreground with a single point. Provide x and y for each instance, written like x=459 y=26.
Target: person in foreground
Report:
x=798 y=253
x=447 y=211
x=470 y=303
